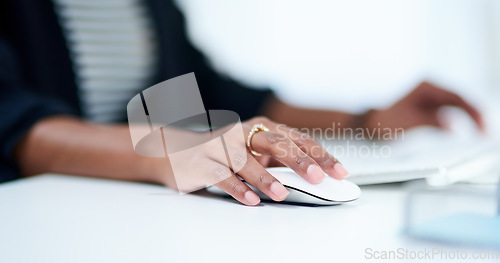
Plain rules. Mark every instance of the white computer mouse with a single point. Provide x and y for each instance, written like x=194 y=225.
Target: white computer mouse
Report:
x=328 y=192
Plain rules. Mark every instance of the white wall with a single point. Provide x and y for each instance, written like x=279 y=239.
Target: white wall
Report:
x=494 y=31
x=350 y=55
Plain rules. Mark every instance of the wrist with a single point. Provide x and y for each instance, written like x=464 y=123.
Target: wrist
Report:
x=364 y=121
x=157 y=170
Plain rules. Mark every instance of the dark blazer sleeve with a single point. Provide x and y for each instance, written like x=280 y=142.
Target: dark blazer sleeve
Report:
x=20 y=108
x=228 y=94
x=178 y=57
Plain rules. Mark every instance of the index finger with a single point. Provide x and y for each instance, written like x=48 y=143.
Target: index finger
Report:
x=473 y=113
x=311 y=147
x=456 y=100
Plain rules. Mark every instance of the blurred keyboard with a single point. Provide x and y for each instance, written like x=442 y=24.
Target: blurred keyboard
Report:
x=441 y=157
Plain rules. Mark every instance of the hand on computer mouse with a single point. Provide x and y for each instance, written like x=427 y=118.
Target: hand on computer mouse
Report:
x=289 y=147
x=279 y=144
x=420 y=107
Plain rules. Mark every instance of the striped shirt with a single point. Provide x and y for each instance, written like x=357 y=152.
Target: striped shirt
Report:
x=111 y=44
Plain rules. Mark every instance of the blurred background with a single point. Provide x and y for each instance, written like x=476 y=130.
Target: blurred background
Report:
x=352 y=55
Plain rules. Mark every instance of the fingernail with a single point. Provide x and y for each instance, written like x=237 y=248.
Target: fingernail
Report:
x=340 y=170
x=279 y=190
x=316 y=175
x=252 y=198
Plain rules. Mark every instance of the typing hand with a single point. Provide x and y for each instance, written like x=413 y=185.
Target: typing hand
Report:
x=420 y=107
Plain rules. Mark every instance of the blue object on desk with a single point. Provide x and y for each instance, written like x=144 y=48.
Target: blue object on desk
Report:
x=464 y=229
x=498 y=199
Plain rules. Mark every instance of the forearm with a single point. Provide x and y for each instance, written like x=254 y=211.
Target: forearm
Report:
x=293 y=116
x=70 y=146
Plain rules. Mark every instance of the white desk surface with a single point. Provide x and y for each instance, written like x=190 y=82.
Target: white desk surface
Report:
x=52 y=218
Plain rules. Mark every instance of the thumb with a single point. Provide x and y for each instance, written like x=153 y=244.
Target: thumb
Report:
x=440 y=123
